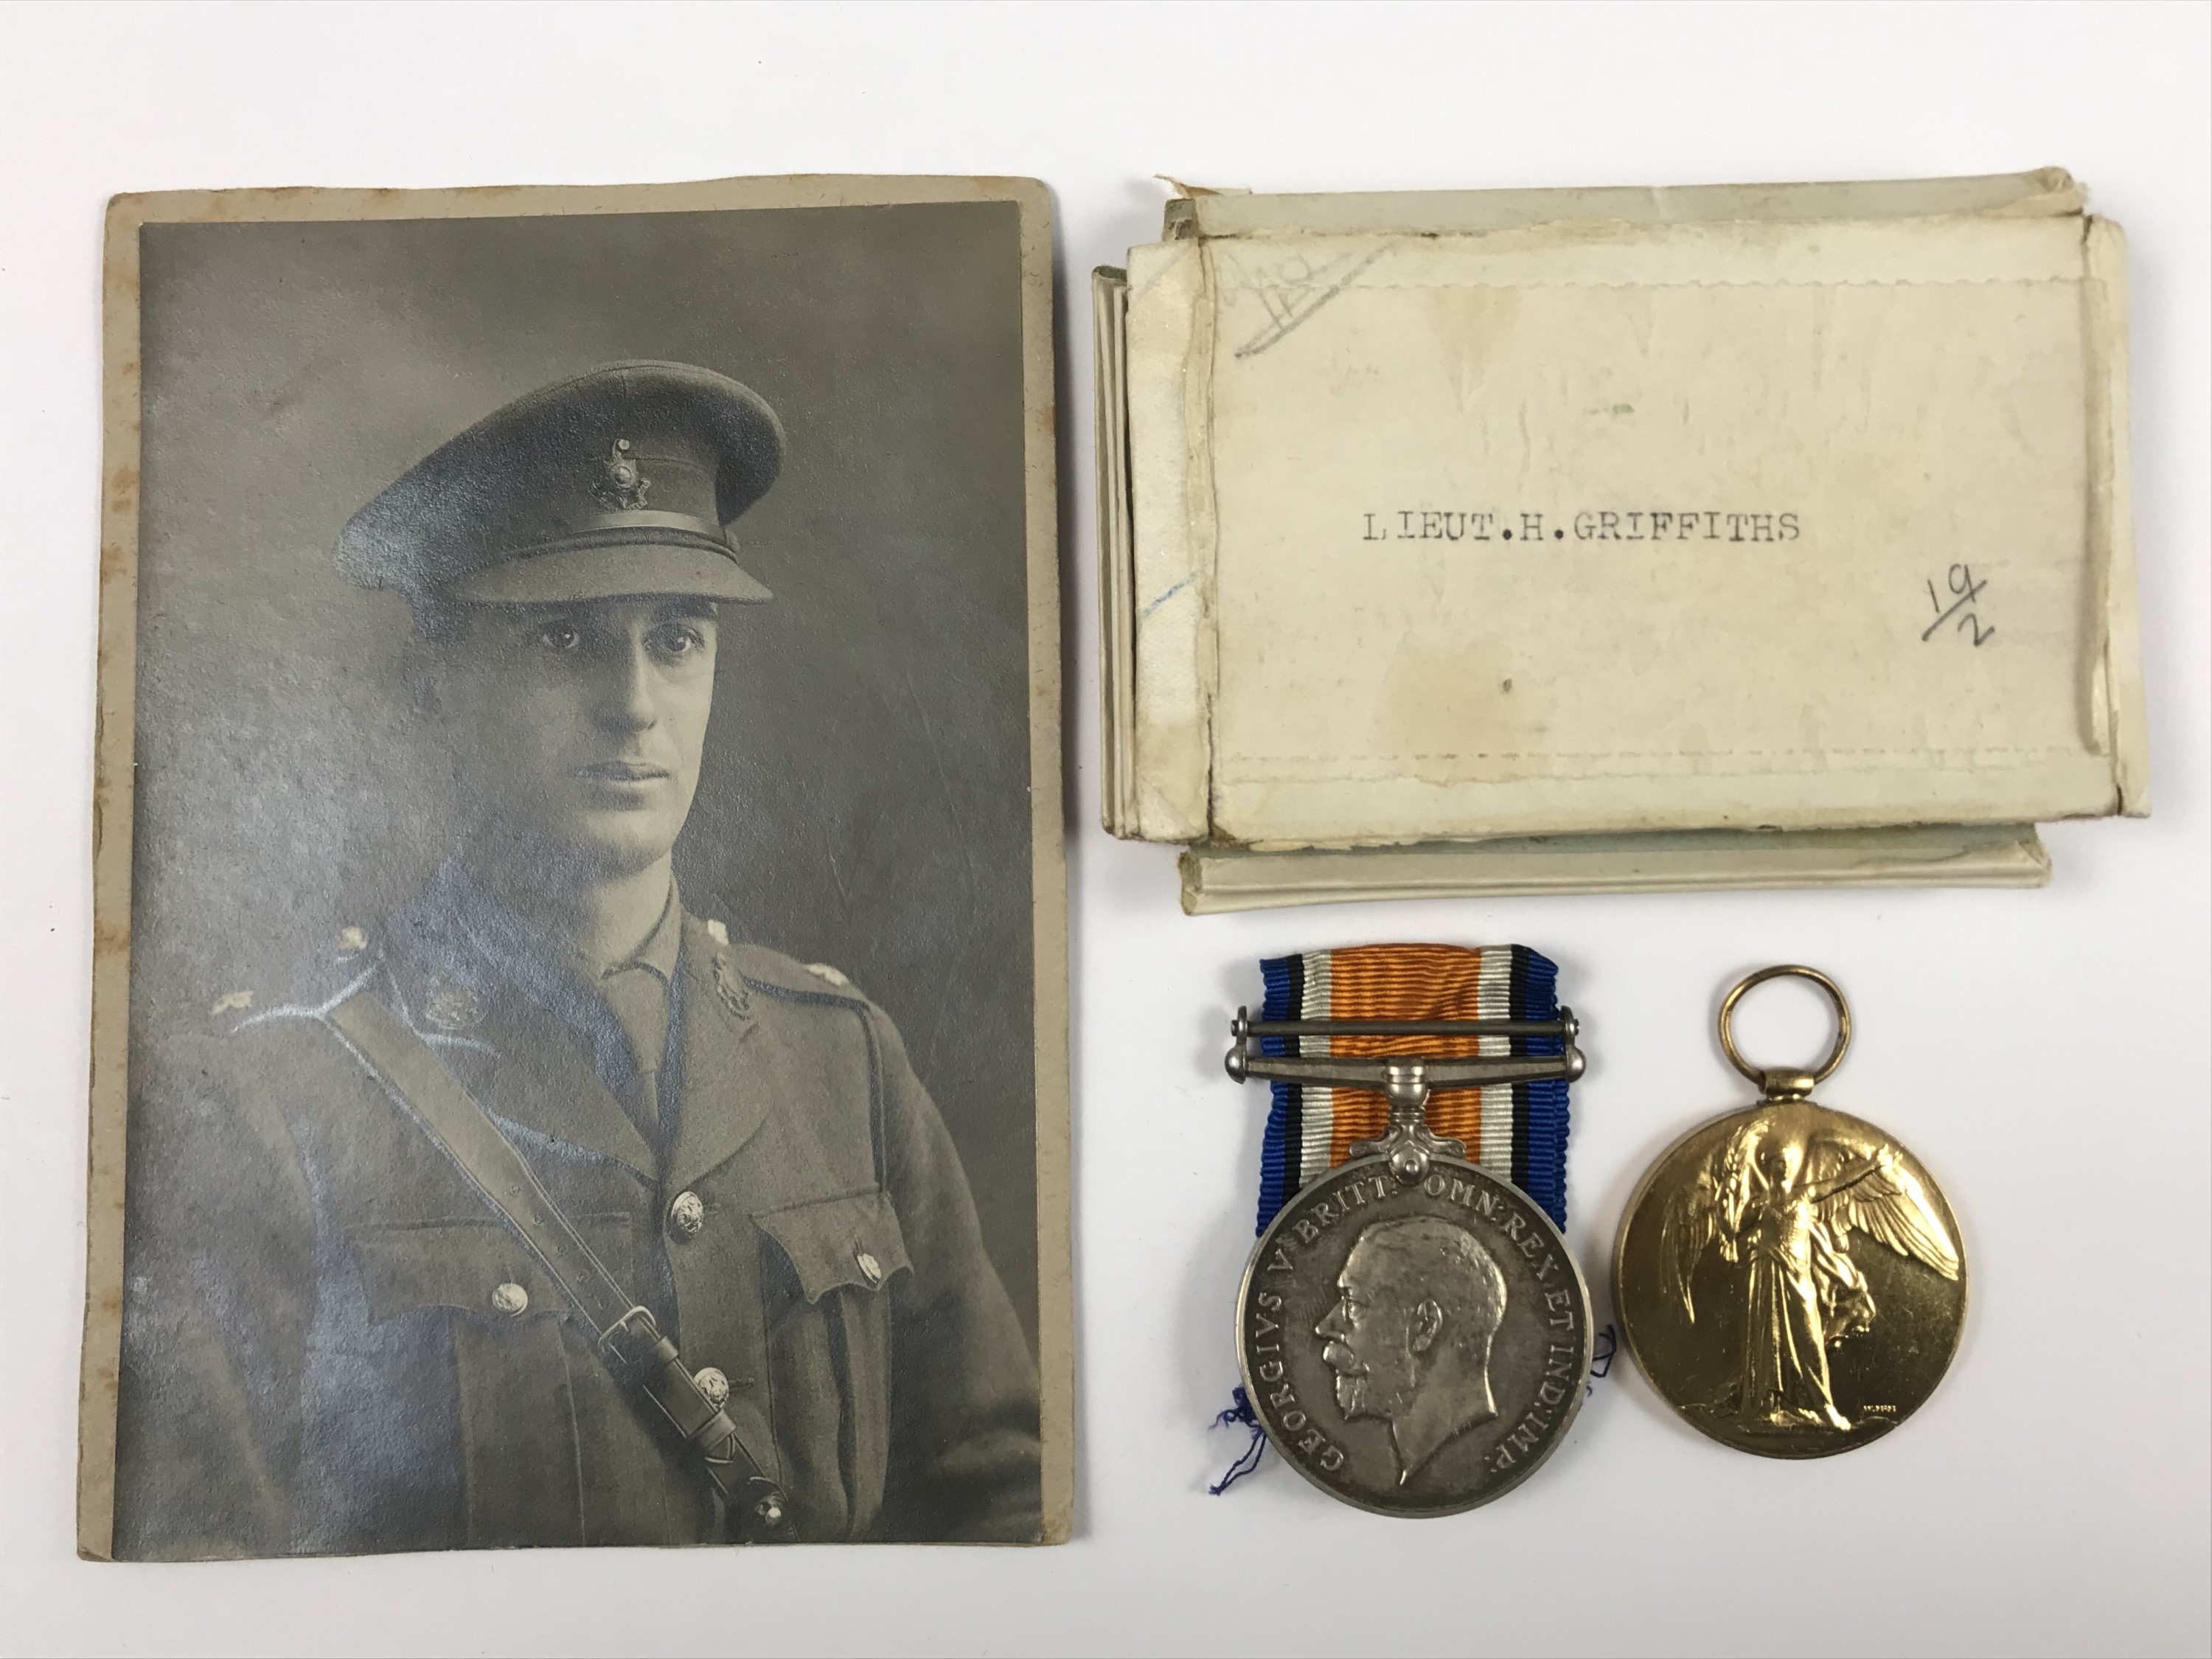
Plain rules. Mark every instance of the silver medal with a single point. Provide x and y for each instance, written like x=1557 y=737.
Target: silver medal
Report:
x=1412 y=1331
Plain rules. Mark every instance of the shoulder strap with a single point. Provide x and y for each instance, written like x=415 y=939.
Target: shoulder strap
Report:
x=630 y=1342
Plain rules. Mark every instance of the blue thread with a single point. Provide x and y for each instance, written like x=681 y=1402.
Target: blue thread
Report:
x=1240 y=1411
x=1601 y=1360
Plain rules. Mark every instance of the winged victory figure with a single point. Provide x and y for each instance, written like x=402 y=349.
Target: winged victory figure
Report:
x=1783 y=1197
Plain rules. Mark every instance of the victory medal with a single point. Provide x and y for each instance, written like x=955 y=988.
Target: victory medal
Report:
x=1413 y=1331
x=1789 y=1277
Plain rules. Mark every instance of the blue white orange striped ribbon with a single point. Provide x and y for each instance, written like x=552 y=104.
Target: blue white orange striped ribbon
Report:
x=1515 y=1130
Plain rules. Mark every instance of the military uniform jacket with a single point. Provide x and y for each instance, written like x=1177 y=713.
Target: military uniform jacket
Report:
x=333 y=1344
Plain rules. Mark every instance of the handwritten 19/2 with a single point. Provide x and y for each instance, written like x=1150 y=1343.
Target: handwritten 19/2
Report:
x=1968 y=592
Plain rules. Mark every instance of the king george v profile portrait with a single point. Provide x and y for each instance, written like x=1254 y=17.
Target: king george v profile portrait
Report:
x=337 y=1337
x=1418 y=1304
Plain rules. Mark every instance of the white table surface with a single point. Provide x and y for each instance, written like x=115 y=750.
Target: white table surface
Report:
x=2045 y=1053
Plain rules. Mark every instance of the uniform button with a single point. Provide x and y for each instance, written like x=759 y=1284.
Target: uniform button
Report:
x=687 y=1214
x=712 y=1384
x=510 y=1299
x=871 y=1269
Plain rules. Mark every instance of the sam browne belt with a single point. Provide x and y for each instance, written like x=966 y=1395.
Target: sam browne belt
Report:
x=629 y=1339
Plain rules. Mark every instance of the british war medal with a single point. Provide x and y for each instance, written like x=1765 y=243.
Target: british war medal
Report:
x=1790 y=1276
x=1412 y=1333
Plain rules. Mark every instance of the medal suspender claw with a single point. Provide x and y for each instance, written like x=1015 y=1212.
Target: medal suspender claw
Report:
x=1413 y=1331
x=1790 y=1278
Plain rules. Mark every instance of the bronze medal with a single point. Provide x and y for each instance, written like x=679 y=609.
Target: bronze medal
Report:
x=1788 y=1276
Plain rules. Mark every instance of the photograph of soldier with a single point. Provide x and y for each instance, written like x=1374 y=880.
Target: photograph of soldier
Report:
x=550 y=1169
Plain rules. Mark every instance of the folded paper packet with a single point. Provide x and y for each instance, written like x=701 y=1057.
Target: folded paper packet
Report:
x=1478 y=542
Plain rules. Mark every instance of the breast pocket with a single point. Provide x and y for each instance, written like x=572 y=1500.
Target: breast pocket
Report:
x=853 y=1242
x=844 y=1253
x=514 y=1386
x=476 y=1265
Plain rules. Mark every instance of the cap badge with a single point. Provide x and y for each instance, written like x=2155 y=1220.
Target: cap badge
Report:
x=621 y=484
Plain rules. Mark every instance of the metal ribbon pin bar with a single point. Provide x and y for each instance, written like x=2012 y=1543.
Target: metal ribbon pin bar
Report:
x=1406 y=1080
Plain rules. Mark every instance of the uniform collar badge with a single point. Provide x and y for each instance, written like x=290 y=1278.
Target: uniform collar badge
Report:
x=732 y=990
x=453 y=1008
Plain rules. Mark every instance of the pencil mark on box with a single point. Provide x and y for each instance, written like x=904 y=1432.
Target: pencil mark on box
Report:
x=1165 y=597
x=1967 y=594
x=1294 y=288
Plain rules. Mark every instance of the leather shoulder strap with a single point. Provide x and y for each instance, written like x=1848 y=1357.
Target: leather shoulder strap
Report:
x=630 y=1342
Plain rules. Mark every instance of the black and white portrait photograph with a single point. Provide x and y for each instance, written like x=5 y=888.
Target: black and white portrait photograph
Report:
x=596 y=1002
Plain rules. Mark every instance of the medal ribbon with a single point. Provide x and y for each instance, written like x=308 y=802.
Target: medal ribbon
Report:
x=1518 y=1130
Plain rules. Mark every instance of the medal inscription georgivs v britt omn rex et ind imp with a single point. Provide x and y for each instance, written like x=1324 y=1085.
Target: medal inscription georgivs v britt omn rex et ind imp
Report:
x=1412 y=1331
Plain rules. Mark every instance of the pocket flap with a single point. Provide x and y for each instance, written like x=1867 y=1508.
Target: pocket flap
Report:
x=853 y=1240
x=476 y=1265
